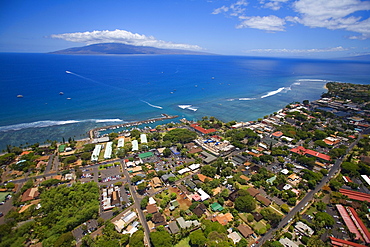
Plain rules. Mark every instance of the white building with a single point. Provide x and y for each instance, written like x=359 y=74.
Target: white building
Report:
x=95 y=153
x=108 y=150
x=121 y=142
x=143 y=138
x=135 y=145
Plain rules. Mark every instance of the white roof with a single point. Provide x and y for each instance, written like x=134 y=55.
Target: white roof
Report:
x=119 y=225
x=96 y=152
x=366 y=178
x=184 y=170
x=203 y=195
x=121 y=142
x=284 y=171
x=235 y=237
x=135 y=145
x=287 y=187
x=129 y=217
x=143 y=138
x=194 y=166
x=151 y=201
x=108 y=150
x=287 y=242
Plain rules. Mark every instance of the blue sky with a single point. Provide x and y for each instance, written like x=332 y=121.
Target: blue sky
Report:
x=295 y=28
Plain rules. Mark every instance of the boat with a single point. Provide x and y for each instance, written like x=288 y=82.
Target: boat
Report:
x=61 y=93
x=19 y=96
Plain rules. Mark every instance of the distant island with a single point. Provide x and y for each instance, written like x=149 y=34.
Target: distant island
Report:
x=118 y=48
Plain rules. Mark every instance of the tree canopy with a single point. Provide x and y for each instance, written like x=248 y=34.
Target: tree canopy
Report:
x=180 y=135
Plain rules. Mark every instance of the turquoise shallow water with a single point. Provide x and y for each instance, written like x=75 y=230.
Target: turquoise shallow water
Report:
x=103 y=90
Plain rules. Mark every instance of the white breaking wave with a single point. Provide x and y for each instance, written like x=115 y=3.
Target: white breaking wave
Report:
x=189 y=107
x=108 y=120
x=275 y=92
x=312 y=80
x=247 y=98
x=49 y=123
x=184 y=106
x=155 y=106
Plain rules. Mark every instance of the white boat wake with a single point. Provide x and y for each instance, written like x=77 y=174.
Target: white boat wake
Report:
x=155 y=106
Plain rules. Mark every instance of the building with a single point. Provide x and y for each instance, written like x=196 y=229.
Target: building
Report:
x=135 y=145
x=223 y=219
x=235 y=237
x=252 y=191
x=173 y=228
x=143 y=138
x=199 y=210
x=245 y=230
x=95 y=153
x=156 y=182
x=308 y=152
x=121 y=143
x=30 y=194
x=304 y=229
x=287 y=242
x=108 y=150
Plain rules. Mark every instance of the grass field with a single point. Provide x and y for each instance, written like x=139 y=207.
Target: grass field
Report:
x=261 y=224
x=183 y=243
x=3 y=195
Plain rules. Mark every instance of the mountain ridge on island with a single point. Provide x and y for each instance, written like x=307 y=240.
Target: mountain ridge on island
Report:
x=121 y=49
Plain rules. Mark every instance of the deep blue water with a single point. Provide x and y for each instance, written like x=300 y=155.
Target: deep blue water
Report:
x=101 y=90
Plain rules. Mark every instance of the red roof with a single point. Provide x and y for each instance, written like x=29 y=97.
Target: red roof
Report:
x=359 y=196
x=202 y=130
x=341 y=242
x=349 y=223
x=277 y=134
x=361 y=226
x=303 y=151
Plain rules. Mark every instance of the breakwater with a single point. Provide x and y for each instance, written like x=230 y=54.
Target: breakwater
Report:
x=94 y=133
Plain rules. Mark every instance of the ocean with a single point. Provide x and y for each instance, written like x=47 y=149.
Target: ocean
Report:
x=62 y=96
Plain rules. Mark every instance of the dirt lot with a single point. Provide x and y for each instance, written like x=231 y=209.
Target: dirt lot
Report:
x=184 y=203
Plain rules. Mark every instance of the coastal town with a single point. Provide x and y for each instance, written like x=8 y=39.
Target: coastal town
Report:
x=297 y=177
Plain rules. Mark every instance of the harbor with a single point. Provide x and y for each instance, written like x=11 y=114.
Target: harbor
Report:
x=95 y=133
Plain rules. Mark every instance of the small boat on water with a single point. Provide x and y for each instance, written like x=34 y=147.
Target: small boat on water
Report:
x=19 y=96
x=61 y=93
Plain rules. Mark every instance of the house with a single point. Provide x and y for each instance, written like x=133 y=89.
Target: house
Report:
x=277 y=134
x=173 y=204
x=165 y=177
x=199 y=210
x=187 y=224
x=172 y=226
x=304 y=229
x=203 y=195
x=156 y=182
x=223 y=219
x=151 y=209
x=235 y=237
x=202 y=130
x=119 y=225
x=233 y=195
x=190 y=184
x=287 y=242
x=303 y=151
x=30 y=194
x=252 y=191
x=245 y=230
x=263 y=200
x=216 y=207
x=158 y=219
x=257 y=216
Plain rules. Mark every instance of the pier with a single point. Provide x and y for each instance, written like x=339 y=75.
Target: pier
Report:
x=93 y=132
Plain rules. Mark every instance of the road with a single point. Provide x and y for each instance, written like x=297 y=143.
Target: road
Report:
x=137 y=201
x=309 y=196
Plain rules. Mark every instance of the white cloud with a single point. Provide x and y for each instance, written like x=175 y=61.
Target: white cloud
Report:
x=234 y=9
x=334 y=14
x=346 y=15
x=268 y=23
x=298 y=51
x=121 y=36
x=273 y=4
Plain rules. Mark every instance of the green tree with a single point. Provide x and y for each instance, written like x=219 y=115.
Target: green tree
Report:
x=161 y=239
x=326 y=218
x=197 y=238
x=167 y=152
x=137 y=239
x=245 y=204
